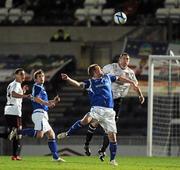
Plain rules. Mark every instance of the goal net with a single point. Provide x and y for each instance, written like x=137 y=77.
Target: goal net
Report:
x=163 y=131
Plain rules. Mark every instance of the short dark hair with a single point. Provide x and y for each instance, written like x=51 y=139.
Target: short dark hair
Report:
x=91 y=69
x=37 y=72
x=18 y=70
x=123 y=54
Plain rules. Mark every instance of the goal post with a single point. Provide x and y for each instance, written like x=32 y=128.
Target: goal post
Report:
x=163 y=126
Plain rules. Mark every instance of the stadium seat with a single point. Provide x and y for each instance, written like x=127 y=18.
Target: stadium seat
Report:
x=162 y=14
x=93 y=13
x=81 y=14
x=171 y=3
x=100 y=3
x=107 y=14
x=8 y=4
x=27 y=16
x=174 y=15
x=14 y=14
x=88 y=4
x=3 y=14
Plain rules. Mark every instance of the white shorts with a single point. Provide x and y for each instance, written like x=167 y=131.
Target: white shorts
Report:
x=40 y=120
x=105 y=117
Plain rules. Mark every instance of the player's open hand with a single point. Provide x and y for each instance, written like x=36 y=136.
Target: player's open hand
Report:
x=51 y=104
x=57 y=99
x=64 y=76
x=25 y=88
x=28 y=96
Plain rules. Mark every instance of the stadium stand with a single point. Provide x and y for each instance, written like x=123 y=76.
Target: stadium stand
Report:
x=70 y=12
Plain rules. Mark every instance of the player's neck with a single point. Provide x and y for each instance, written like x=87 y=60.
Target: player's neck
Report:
x=97 y=76
x=40 y=84
x=19 y=81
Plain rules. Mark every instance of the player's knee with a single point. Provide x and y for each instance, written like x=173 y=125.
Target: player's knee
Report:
x=112 y=137
x=84 y=122
x=51 y=134
x=39 y=135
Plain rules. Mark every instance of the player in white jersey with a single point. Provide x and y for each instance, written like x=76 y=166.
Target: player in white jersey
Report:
x=12 y=110
x=120 y=90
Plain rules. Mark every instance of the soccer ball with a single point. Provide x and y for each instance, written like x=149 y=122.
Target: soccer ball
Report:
x=120 y=18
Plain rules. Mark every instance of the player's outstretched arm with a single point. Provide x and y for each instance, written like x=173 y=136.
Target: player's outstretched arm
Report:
x=47 y=103
x=135 y=86
x=71 y=81
x=55 y=100
x=126 y=80
x=17 y=95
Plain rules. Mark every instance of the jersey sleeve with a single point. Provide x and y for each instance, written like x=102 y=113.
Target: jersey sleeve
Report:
x=86 y=84
x=16 y=88
x=36 y=91
x=112 y=78
x=134 y=77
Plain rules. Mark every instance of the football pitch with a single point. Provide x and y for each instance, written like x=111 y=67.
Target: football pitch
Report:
x=89 y=163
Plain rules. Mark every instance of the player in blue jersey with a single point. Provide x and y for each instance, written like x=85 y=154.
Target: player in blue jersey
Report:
x=101 y=99
x=120 y=90
x=41 y=104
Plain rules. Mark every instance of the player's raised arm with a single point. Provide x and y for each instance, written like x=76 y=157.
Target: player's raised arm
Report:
x=126 y=80
x=72 y=81
x=55 y=100
x=17 y=95
x=135 y=87
x=41 y=101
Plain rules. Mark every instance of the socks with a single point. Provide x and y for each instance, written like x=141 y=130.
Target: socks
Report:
x=53 y=148
x=28 y=132
x=112 y=148
x=76 y=126
x=16 y=147
x=89 y=134
x=105 y=142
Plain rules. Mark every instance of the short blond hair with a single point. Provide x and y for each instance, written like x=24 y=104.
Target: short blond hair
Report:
x=91 y=69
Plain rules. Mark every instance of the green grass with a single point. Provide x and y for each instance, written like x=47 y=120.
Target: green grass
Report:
x=90 y=163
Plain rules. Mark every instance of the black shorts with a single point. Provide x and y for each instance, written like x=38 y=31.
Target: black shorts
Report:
x=13 y=121
x=117 y=105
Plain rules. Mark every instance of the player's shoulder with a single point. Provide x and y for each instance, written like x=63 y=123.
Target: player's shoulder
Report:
x=14 y=83
x=108 y=76
x=108 y=66
x=37 y=86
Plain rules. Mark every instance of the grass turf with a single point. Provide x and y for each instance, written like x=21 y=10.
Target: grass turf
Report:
x=89 y=163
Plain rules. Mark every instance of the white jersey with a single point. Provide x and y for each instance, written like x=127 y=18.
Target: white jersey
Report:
x=120 y=89
x=13 y=105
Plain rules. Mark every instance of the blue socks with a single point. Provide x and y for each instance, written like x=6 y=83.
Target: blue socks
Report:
x=28 y=132
x=112 y=148
x=76 y=126
x=53 y=148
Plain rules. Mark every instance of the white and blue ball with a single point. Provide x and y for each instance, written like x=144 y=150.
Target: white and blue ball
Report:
x=120 y=18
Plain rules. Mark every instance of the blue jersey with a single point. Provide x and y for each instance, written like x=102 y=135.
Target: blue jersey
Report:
x=100 y=92
x=39 y=91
